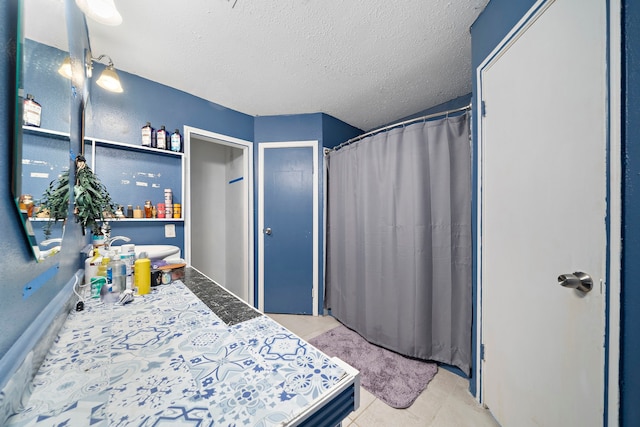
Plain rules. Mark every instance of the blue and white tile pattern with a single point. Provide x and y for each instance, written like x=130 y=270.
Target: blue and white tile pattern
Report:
x=167 y=359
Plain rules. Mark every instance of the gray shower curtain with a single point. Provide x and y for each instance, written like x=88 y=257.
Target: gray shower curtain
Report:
x=399 y=239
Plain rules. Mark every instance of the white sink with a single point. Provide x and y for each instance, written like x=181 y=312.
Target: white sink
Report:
x=155 y=251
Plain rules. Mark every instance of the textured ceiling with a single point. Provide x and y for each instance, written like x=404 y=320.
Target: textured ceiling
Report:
x=365 y=62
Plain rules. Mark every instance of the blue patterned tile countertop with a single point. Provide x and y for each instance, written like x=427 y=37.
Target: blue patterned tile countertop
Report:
x=168 y=359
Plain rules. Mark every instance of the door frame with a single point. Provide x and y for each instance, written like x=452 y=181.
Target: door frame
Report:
x=613 y=209
x=248 y=220
x=316 y=230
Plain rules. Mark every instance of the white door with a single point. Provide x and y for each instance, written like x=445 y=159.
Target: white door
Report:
x=543 y=178
x=219 y=214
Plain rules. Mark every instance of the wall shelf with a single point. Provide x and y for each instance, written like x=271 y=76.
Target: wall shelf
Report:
x=98 y=141
x=137 y=173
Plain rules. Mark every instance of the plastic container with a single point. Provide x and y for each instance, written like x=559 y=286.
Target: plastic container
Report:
x=32 y=112
x=162 y=137
x=116 y=280
x=97 y=283
x=128 y=257
x=91 y=265
x=176 y=141
x=102 y=268
x=142 y=278
x=148 y=135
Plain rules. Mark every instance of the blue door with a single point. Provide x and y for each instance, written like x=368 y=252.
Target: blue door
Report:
x=288 y=255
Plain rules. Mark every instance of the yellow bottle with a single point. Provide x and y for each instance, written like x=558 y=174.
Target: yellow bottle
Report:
x=142 y=276
x=102 y=268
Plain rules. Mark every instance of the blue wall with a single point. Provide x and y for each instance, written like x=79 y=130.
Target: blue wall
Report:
x=18 y=266
x=114 y=117
x=629 y=367
x=329 y=132
x=120 y=117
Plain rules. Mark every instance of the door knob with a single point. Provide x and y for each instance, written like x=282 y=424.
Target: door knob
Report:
x=578 y=280
x=267 y=231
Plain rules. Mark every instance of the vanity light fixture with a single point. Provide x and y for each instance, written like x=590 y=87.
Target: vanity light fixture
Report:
x=65 y=68
x=108 y=79
x=102 y=11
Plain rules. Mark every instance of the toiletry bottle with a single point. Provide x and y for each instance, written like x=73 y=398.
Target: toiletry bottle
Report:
x=142 y=278
x=91 y=265
x=148 y=207
x=161 y=210
x=168 y=202
x=32 y=112
x=138 y=213
x=102 y=268
x=148 y=135
x=129 y=211
x=116 y=279
x=176 y=141
x=161 y=137
x=128 y=256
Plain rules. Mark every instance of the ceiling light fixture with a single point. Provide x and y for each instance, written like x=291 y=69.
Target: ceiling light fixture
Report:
x=102 y=11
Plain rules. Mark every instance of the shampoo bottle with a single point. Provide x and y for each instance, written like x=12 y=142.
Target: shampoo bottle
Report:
x=142 y=277
x=148 y=135
x=176 y=141
x=116 y=280
x=161 y=137
x=32 y=112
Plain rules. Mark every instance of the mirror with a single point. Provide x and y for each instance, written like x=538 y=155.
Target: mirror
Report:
x=42 y=150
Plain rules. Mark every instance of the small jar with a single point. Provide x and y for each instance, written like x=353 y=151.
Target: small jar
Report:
x=148 y=207
x=26 y=204
x=129 y=211
x=177 y=210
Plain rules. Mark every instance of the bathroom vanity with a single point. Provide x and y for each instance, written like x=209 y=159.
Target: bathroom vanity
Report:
x=188 y=353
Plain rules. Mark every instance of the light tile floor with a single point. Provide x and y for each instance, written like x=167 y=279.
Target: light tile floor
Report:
x=446 y=402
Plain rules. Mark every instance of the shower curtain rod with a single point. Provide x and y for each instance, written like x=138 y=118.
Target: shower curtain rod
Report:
x=406 y=122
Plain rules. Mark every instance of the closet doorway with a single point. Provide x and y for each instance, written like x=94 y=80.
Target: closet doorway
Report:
x=219 y=209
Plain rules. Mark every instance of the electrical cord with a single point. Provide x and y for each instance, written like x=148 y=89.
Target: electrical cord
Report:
x=80 y=303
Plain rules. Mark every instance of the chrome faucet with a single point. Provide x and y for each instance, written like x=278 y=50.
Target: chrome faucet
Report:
x=110 y=240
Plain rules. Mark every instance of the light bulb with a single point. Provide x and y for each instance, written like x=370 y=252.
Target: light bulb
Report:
x=110 y=81
x=102 y=11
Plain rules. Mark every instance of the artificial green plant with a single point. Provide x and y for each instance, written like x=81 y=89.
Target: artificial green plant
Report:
x=92 y=202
